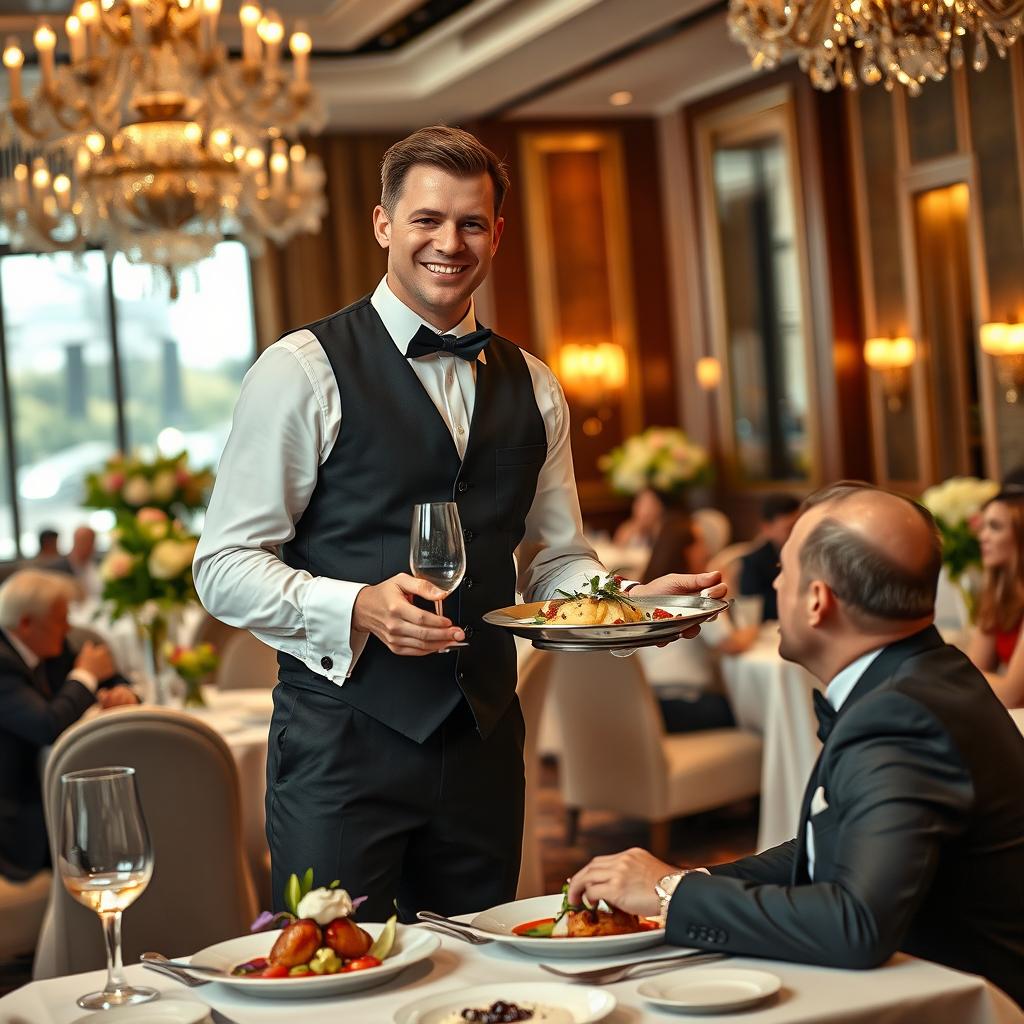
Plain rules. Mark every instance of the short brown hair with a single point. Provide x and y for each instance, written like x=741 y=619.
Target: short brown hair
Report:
x=858 y=572
x=1002 y=592
x=450 y=149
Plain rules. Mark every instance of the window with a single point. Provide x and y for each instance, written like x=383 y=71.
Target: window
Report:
x=96 y=358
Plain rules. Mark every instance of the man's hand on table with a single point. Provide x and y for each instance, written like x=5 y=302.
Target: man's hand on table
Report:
x=625 y=880
x=707 y=584
x=387 y=612
x=116 y=696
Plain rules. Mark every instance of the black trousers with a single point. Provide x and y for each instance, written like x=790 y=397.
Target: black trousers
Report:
x=434 y=826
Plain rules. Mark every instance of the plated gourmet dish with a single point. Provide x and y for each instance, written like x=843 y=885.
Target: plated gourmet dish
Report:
x=604 y=604
x=583 y=922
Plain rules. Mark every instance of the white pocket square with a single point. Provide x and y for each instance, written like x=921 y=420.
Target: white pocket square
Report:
x=818 y=801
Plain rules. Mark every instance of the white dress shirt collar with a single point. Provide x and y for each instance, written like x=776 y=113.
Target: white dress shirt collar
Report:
x=846 y=679
x=402 y=323
x=26 y=654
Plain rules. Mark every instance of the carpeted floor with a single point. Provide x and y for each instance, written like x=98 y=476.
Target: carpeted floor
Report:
x=708 y=838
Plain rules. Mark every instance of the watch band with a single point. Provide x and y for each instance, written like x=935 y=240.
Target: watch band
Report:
x=665 y=887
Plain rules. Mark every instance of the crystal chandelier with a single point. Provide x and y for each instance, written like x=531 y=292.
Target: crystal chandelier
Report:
x=889 y=41
x=151 y=142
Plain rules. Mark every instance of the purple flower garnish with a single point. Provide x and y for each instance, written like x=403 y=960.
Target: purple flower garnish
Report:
x=358 y=901
x=267 y=921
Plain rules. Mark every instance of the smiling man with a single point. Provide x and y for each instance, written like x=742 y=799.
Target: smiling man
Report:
x=393 y=768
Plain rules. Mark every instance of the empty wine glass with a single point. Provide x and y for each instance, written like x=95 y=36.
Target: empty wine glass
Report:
x=105 y=862
x=436 y=550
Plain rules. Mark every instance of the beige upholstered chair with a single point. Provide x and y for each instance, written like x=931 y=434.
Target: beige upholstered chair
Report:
x=617 y=757
x=213 y=631
x=22 y=906
x=715 y=528
x=201 y=891
x=247 y=664
x=532 y=691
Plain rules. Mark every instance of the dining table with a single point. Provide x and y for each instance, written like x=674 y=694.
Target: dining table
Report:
x=903 y=991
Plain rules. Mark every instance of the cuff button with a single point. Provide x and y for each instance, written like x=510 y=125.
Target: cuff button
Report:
x=326 y=663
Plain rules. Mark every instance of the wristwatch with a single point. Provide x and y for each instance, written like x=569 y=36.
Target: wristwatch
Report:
x=665 y=887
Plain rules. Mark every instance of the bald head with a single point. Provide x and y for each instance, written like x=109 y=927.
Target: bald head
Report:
x=878 y=552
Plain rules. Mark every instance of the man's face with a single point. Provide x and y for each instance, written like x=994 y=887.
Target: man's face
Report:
x=779 y=529
x=440 y=237
x=44 y=635
x=794 y=632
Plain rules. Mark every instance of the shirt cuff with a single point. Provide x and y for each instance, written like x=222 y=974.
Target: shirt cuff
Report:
x=332 y=646
x=86 y=678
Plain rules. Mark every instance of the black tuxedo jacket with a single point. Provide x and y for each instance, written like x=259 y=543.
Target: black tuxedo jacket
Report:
x=758 y=570
x=920 y=847
x=35 y=708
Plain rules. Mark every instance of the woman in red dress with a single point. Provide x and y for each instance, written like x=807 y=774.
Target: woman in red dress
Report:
x=995 y=643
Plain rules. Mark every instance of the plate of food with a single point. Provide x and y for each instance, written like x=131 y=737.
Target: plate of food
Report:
x=542 y=1002
x=548 y=926
x=320 y=951
x=603 y=617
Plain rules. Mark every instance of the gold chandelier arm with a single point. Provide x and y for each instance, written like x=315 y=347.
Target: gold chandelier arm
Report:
x=1001 y=11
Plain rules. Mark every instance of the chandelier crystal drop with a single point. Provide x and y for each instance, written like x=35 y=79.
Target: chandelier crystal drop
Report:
x=890 y=41
x=152 y=142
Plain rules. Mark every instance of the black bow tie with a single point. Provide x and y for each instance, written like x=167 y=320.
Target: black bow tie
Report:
x=827 y=715
x=468 y=347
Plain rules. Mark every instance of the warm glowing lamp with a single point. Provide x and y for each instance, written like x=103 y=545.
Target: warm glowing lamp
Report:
x=709 y=373
x=1004 y=342
x=892 y=358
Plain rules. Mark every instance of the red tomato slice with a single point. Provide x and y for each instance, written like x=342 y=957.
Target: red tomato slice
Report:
x=361 y=963
x=275 y=971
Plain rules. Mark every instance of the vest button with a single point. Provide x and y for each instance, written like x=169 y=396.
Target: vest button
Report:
x=326 y=663
x=462 y=487
x=468 y=630
x=468 y=535
x=462 y=677
x=468 y=582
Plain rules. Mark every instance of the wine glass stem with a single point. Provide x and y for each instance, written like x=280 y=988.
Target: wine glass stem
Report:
x=439 y=607
x=112 y=935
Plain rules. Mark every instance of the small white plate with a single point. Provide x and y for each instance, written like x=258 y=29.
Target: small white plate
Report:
x=411 y=946
x=710 y=989
x=498 y=922
x=565 y=1004
x=160 y=1011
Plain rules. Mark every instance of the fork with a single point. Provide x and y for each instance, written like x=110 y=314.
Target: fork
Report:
x=177 y=974
x=618 y=972
x=456 y=928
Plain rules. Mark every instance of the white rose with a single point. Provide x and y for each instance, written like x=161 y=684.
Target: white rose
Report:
x=324 y=905
x=137 y=491
x=170 y=558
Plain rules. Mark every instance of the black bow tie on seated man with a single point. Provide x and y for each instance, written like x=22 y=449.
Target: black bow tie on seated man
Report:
x=468 y=347
x=827 y=715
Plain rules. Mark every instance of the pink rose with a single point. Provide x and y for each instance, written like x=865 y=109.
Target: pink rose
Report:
x=184 y=477
x=113 y=482
x=151 y=515
x=117 y=565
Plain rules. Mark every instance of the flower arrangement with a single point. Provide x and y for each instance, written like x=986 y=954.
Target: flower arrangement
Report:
x=955 y=503
x=128 y=483
x=193 y=664
x=662 y=458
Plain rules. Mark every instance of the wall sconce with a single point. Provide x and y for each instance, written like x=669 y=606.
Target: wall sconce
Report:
x=590 y=372
x=892 y=358
x=709 y=373
x=1005 y=343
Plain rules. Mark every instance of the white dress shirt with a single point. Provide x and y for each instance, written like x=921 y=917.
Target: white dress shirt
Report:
x=286 y=422
x=836 y=693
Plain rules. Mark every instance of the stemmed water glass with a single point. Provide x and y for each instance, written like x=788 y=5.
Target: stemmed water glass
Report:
x=437 y=553
x=105 y=862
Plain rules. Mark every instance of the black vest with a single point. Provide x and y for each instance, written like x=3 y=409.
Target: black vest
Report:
x=393 y=451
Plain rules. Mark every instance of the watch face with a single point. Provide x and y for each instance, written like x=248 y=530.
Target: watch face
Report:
x=669 y=883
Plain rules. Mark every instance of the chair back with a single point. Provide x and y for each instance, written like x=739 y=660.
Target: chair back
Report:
x=532 y=691
x=247 y=664
x=612 y=755
x=201 y=891
x=715 y=528
x=212 y=631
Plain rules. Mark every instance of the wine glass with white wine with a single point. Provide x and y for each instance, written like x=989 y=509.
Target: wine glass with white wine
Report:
x=105 y=862
x=437 y=553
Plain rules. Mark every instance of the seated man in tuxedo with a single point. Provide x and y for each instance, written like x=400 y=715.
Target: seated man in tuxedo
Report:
x=911 y=835
x=45 y=686
x=759 y=567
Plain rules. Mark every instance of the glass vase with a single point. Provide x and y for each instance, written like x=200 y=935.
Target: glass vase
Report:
x=193 y=693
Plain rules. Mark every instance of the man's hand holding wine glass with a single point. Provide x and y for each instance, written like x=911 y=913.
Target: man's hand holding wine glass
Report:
x=387 y=611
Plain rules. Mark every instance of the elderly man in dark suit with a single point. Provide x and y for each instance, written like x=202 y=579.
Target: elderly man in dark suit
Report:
x=44 y=687
x=911 y=835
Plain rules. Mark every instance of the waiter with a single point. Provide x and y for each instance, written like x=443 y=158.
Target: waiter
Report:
x=393 y=768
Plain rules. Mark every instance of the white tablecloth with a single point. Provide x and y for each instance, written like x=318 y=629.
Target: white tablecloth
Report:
x=906 y=991
x=773 y=697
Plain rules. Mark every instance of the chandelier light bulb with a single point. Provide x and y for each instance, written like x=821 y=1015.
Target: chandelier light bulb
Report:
x=249 y=15
x=254 y=158
x=212 y=6
x=192 y=132
x=13 y=56
x=297 y=153
x=221 y=138
x=279 y=163
x=300 y=43
x=239 y=152
x=61 y=184
x=45 y=38
x=95 y=142
x=41 y=178
x=88 y=12
x=270 y=31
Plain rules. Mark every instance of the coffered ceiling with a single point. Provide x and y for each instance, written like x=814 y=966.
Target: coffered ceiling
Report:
x=456 y=60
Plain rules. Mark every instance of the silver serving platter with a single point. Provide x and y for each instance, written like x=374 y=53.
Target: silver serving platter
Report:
x=688 y=610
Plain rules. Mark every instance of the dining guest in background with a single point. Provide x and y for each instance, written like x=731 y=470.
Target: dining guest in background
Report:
x=686 y=677
x=911 y=834
x=49 y=551
x=394 y=768
x=759 y=567
x=995 y=645
x=645 y=521
x=44 y=688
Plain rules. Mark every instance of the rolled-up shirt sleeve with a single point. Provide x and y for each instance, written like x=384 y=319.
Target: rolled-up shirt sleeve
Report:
x=553 y=554
x=285 y=424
